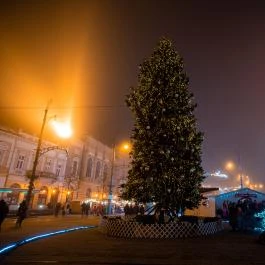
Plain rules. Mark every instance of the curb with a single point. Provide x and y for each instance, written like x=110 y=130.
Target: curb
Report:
x=4 y=250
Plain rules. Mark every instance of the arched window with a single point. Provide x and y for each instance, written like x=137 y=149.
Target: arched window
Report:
x=42 y=198
x=88 y=193
x=54 y=197
x=97 y=170
x=74 y=168
x=105 y=174
x=13 y=197
x=89 y=168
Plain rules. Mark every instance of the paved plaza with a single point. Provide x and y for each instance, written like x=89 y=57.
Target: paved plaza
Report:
x=92 y=246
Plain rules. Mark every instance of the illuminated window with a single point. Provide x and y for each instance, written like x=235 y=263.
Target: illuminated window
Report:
x=89 y=168
x=13 y=197
x=42 y=198
x=88 y=193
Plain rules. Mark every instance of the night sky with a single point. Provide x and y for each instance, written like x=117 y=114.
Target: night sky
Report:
x=84 y=55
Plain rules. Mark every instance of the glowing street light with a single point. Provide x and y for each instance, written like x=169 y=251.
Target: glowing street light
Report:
x=63 y=129
x=126 y=147
x=37 y=155
x=230 y=165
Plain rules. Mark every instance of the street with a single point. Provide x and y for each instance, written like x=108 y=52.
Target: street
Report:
x=91 y=246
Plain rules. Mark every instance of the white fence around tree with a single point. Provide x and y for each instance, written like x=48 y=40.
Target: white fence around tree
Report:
x=131 y=229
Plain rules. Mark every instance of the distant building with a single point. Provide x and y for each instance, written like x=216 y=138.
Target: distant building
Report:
x=17 y=152
x=81 y=173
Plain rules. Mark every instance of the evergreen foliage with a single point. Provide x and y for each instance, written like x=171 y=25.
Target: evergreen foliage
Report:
x=261 y=215
x=166 y=154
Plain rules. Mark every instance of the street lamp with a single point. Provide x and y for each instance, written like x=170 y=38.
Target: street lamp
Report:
x=37 y=155
x=111 y=179
x=230 y=166
x=125 y=147
x=35 y=163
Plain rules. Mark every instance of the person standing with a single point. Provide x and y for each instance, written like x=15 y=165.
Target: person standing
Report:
x=3 y=211
x=57 y=209
x=126 y=211
x=87 y=209
x=83 y=208
x=21 y=213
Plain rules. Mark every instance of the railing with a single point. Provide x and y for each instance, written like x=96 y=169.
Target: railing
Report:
x=43 y=174
x=116 y=227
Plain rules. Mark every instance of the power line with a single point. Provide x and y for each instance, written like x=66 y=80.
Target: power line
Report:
x=65 y=107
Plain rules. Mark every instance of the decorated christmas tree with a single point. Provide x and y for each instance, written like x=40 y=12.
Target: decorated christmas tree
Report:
x=166 y=154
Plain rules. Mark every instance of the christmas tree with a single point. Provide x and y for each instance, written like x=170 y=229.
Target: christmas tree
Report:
x=166 y=154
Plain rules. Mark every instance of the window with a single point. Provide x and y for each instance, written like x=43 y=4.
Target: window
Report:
x=58 y=170
x=97 y=170
x=20 y=162
x=13 y=197
x=88 y=193
x=42 y=198
x=1 y=156
x=48 y=164
x=105 y=174
x=74 y=168
x=3 y=153
x=89 y=168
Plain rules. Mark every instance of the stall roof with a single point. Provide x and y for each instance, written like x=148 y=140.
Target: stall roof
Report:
x=236 y=195
x=242 y=193
x=204 y=189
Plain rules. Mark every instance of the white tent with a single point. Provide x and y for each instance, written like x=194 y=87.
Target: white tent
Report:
x=240 y=194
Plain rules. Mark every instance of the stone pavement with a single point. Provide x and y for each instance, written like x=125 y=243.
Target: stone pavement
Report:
x=95 y=248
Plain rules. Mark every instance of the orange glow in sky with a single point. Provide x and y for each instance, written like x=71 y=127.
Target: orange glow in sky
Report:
x=43 y=63
x=63 y=129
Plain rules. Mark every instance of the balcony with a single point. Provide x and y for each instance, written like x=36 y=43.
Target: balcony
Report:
x=43 y=174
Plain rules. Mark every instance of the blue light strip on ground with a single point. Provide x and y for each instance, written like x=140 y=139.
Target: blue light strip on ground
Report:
x=27 y=240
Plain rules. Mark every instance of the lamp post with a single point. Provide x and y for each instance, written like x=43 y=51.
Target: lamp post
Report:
x=64 y=131
x=230 y=166
x=111 y=180
x=123 y=147
x=35 y=163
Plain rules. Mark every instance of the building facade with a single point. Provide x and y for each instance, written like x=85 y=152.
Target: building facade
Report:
x=79 y=172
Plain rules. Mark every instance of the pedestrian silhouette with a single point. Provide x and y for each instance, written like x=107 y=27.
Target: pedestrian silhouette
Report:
x=21 y=213
x=57 y=209
x=3 y=211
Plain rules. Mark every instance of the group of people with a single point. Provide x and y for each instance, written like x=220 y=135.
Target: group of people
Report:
x=92 y=209
x=133 y=210
x=64 y=209
x=240 y=214
x=95 y=208
x=21 y=212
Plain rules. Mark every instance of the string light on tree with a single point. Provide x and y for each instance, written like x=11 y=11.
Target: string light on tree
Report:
x=165 y=138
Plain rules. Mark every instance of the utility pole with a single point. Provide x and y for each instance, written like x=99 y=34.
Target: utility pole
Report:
x=240 y=172
x=33 y=174
x=111 y=180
